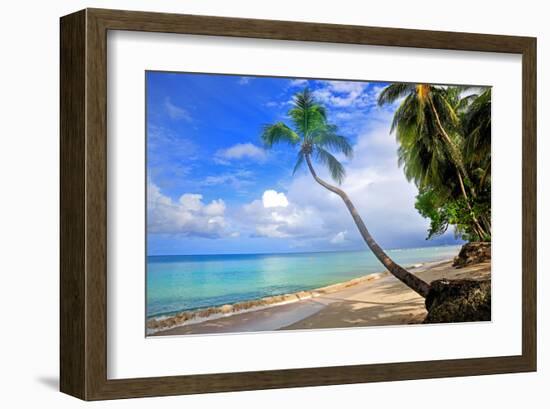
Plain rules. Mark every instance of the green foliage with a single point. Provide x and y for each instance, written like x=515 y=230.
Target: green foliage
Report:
x=428 y=206
x=277 y=133
x=335 y=168
x=444 y=137
x=476 y=122
x=445 y=213
x=313 y=133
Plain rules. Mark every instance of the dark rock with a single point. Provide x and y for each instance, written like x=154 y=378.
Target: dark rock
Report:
x=473 y=253
x=458 y=301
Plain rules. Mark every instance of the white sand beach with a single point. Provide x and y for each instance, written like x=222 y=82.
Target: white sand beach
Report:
x=378 y=299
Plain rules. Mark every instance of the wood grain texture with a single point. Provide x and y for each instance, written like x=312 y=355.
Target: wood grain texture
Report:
x=84 y=203
x=300 y=31
x=96 y=205
x=529 y=199
x=72 y=199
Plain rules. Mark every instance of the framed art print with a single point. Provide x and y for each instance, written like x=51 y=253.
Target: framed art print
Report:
x=252 y=204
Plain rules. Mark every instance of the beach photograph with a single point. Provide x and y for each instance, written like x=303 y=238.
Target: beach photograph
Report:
x=279 y=204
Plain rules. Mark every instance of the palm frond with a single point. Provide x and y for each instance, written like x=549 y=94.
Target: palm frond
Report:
x=336 y=170
x=457 y=92
x=306 y=114
x=299 y=162
x=277 y=133
x=463 y=104
x=393 y=92
x=328 y=138
x=450 y=113
x=409 y=114
x=477 y=130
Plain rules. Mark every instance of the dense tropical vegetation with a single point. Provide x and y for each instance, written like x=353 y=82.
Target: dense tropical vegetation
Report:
x=317 y=139
x=444 y=136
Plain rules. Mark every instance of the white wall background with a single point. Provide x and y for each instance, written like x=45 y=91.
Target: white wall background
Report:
x=29 y=204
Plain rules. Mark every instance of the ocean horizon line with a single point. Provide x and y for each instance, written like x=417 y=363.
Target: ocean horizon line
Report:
x=301 y=252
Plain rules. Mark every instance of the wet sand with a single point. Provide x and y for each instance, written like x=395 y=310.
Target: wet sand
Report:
x=380 y=300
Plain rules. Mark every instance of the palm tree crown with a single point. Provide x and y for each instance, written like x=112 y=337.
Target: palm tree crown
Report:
x=417 y=122
x=312 y=132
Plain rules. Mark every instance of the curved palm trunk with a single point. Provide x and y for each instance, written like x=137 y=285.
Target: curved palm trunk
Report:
x=412 y=281
x=459 y=172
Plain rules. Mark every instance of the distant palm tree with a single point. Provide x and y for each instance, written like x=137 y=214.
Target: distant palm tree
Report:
x=315 y=137
x=424 y=115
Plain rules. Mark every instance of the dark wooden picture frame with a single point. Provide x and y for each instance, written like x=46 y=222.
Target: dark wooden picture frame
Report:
x=83 y=332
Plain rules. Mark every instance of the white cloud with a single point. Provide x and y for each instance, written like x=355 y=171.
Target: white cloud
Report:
x=175 y=112
x=342 y=94
x=376 y=91
x=348 y=94
x=188 y=216
x=214 y=208
x=241 y=151
x=276 y=217
x=237 y=179
x=244 y=80
x=279 y=104
x=339 y=237
x=271 y=198
x=297 y=82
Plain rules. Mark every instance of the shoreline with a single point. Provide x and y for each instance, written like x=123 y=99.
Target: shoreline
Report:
x=186 y=318
x=159 y=326
x=382 y=301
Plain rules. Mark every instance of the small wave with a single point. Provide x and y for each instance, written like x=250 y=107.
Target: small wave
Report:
x=163 y=323
x=417 y=265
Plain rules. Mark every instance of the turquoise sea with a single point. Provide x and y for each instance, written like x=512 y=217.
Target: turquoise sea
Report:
x=181 y=283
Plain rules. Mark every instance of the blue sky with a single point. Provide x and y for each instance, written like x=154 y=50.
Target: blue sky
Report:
x=212 y=188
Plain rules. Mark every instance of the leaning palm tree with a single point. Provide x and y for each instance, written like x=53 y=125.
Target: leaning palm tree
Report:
x=315 y=137
x=426 y=113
